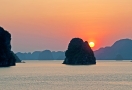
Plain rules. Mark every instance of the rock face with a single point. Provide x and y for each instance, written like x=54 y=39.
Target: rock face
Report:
x=6 y=57
x=79 y=53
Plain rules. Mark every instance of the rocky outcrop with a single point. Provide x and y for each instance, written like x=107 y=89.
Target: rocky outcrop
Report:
x=79 y=53
x=6 y=56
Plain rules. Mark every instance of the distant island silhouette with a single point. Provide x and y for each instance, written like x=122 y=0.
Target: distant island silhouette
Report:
x=42 y=55
x=45 y=55
x=7 y=57
x=121 y=47
x=121 y=50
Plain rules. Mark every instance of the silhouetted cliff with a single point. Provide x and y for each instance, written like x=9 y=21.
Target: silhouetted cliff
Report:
x=79 y=53
x=122 y=47
x=6 y=55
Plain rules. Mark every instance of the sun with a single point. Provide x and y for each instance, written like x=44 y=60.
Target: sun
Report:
x=91 y=44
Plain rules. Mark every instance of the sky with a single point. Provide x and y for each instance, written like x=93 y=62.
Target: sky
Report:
x=36 y=25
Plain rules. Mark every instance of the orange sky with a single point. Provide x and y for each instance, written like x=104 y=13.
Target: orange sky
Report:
x=50 y=24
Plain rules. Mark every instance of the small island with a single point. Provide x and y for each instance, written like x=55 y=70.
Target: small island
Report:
x=79 y=53
x=7 y=57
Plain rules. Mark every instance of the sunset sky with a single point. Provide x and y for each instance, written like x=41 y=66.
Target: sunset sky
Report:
x=51 y=24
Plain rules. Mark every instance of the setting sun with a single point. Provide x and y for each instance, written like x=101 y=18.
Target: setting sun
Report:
x=91 y=44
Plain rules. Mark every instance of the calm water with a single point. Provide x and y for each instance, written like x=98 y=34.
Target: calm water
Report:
x=52 y=75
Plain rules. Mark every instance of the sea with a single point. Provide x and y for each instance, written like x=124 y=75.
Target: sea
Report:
x=53 y=75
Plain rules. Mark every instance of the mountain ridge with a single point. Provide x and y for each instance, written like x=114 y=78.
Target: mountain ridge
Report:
x=122 y=47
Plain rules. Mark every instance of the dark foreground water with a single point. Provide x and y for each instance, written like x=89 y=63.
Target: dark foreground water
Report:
x=52 y=75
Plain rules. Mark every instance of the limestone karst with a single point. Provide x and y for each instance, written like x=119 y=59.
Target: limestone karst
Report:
x=79 y=53
x=7 y=58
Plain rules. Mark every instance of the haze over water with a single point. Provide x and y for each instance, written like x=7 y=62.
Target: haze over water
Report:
x=52 y=75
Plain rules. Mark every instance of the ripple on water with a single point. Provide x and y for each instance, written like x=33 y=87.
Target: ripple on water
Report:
x=52 y=75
